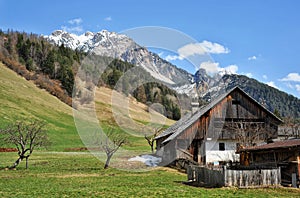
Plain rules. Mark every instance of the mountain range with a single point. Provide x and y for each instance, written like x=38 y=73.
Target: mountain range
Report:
x=200 y=84
x=120 y=46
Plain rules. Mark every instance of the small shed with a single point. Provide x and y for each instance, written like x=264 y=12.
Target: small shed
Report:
x=284 y=154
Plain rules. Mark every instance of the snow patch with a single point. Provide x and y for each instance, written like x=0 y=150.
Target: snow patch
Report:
x=149 y=160
x=189 y=89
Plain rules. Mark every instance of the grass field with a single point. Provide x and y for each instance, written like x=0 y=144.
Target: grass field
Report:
x=80 y=174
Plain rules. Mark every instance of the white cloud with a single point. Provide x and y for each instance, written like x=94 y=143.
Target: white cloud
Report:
x=72 y=29
x=171 y=58
x=210 y=67
x=265 y=77
x=231 y=69
x=213 y=68
x=202 y=48
x=272 y=84
x=76 y=21
x=252 y=58
x=108 y=18
x=74 y=26
x=289 y=85
x=291 y=77
x=297 y=88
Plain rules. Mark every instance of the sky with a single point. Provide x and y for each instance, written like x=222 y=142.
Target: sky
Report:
x=260 y=39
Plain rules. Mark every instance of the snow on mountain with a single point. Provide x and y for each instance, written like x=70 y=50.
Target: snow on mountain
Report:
x=120 y=46
x=200 y=84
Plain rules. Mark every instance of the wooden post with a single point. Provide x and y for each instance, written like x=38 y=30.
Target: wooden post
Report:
x=294 y=180
x=298 y=157
x=225 y=175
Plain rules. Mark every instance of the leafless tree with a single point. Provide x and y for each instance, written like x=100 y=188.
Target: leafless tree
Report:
x=151 y=138
x=110 y=143
x=249 y=133
x=25 y=136
x=291 y=128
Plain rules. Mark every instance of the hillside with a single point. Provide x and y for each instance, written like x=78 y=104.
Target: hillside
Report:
x=54 y=67
x=20 y=99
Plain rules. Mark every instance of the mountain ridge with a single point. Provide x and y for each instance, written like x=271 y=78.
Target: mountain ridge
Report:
x=195 y=85
x=120 y=46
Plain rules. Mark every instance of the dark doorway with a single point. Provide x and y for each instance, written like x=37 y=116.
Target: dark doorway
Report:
x=196 y=150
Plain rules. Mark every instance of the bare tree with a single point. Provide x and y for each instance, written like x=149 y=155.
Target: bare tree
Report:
x=25 y=136
x=110 y=143
x=286 y=128
x=151 y=138
x=296 y=128
x=249 y=133
x=291 y=127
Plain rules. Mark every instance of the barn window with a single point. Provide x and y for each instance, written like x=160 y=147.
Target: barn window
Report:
x=236 y=102
x=221 y=146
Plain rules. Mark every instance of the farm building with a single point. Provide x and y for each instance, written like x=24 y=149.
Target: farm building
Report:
x=284 y=154
x=213 y=133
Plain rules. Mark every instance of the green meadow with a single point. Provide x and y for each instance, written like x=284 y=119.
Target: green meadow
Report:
x=61 y=174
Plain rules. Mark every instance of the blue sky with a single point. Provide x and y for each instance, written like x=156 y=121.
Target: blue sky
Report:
x=260 y=39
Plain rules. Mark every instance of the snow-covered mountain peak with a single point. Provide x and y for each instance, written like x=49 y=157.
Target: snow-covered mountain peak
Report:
x=112 y=44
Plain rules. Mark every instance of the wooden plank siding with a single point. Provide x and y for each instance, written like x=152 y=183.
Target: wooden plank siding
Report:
x=236 y=107
x=202 y=176
x=212 y=121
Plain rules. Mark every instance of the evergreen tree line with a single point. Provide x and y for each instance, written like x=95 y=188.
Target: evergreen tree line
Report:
x=38 y=56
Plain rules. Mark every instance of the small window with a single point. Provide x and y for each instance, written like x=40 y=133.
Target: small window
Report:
x=236 y=102
x=221 y=146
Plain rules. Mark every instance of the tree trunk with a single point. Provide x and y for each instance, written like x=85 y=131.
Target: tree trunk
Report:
x=17 y=162
x=152 y=150
x=27 y=162
x=107 y=161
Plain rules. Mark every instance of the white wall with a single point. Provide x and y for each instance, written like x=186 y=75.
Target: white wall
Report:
x=213 y=154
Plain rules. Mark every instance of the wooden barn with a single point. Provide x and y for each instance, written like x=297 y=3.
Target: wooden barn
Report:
x=213 y=133
x=284 y=154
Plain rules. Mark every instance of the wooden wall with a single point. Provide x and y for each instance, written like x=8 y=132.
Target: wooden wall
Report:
x=235 y=107
x=240 y=178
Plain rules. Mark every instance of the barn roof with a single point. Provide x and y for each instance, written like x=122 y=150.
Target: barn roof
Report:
x=274 y=145
x=186 y=121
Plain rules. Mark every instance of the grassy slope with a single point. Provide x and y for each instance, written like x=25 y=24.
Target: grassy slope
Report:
x=20 y=99
x=137 y=113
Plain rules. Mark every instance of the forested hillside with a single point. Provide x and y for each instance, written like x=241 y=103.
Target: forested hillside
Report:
x=54 y=68
x=275 y=100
